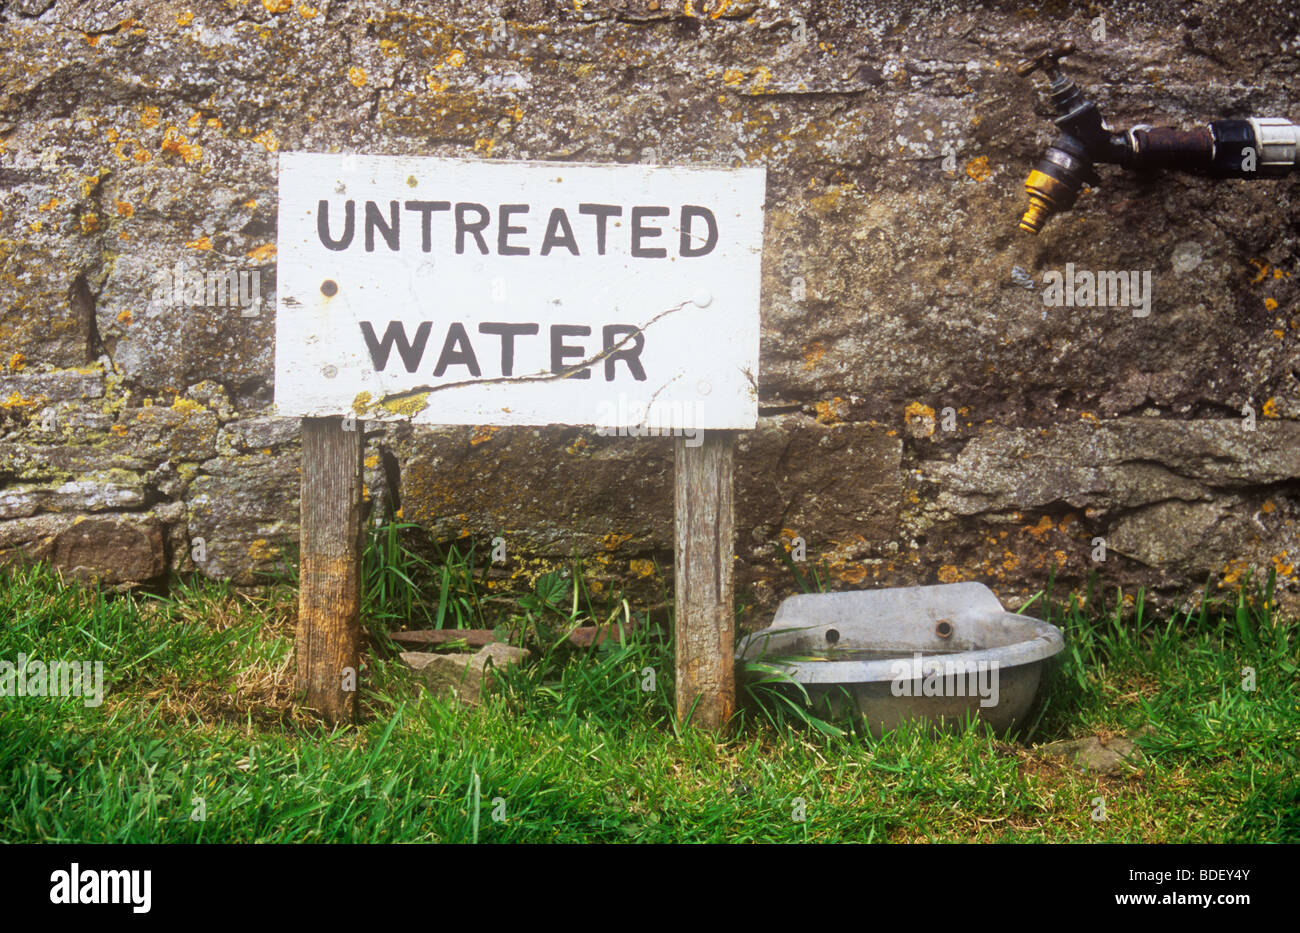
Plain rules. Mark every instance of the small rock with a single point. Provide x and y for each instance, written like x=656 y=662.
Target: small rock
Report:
x=1022 y=278
x=1091 y=754
x=462 y=677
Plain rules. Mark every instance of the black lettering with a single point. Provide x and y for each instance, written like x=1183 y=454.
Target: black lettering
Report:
x=602 y=213
x=689 y=211
x=561 y=351
x=396 y=334
x=451 y=356
x=640 y=232
x=557 y=220
x=426 y=209
x=507 y=333
x=504 y=230
x=476 y=229
x=323 y=225
x=374 y=219
x=613 y=335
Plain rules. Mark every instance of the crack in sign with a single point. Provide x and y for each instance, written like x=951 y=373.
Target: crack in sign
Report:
x=394 y=397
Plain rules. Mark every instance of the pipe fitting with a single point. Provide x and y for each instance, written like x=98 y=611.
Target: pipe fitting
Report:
x=1252 y=148
x=1279 y=143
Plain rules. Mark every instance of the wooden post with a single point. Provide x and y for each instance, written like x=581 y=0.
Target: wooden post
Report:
x=706 y=676
x=329 y=589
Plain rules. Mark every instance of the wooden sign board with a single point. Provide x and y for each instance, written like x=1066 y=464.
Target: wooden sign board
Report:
x=444 y=291
x=518 y=293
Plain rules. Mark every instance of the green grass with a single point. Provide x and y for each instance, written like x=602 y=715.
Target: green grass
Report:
x=573 y=748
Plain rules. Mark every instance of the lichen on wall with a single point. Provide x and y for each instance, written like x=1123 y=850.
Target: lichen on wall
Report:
x=926 y=417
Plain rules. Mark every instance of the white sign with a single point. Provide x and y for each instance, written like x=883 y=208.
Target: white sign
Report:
x=492 y=292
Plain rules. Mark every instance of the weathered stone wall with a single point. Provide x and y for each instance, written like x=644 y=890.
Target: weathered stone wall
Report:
x=136 y=136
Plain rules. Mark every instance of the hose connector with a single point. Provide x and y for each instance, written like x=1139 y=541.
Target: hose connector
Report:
x=1279 y=145
x=1055 y=182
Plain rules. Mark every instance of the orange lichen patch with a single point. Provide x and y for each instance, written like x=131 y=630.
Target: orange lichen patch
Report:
x=1269 y=409
x=455 y=58
x=1268 y=507
x=1233 y=571
x=278 y=6
x=195 y=119
x=250 y=203
x=1060 y=557
x=579 y=444
x=119 y=148
x=50 y=205
x=150 y=117
x=124 y=316
x=91 y=39
x=827 y=201
x=17 y=362
x=1043 y=527
x=184 y=19
x=16 y=402
x=35 y=226
x=307 y=12
x=485 y=146
x=261 y=549
x=123 y=208
x=812 y=354
x=482 y=433
x=435 y=86
x=203 y=242
x=90 y=182
x=1009 y=561
x=1282 y=564
x=268 y=140
x=852 y=574
x=372 y=461
x=89 y=223
x=830 y=412
x=641 y=567
x=1270 y=304
x=263 y=253
x=613 y=541
x=118 y=429
x=1279 y=334
x=732 y=77
x=1262 y=272
x=920 y=416
x=174 y=141
x=1088 y=416
x=1069 y=519
x=357 y=76
x=949 y=574
x=978 y=168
